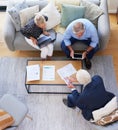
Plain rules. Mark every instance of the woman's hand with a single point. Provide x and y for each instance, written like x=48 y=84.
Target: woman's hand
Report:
x=34 y=40
x=46 y=33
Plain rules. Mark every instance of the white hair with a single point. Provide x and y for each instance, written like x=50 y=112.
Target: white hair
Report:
x=77 y=27
x=83 y=77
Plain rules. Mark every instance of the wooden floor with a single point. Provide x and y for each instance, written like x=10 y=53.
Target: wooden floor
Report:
x=112 y=48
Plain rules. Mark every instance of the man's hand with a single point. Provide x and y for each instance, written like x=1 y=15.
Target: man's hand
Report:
x=72 y=53
x=69 y=81
x=84 y=55
x=70 y=85
x=72 y=79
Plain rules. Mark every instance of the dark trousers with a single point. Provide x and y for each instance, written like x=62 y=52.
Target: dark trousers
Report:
x=73 y=40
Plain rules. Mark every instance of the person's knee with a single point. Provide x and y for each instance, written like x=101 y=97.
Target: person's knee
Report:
x=44 y=52
x=50 y=50
x=70 y=97
x=50 y=46
x=63 y=45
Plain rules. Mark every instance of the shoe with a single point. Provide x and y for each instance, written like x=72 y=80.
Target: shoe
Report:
x=88 y=63
x=66 y=103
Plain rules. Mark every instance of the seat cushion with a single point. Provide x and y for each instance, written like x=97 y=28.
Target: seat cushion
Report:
x=70 y=13
x=92 y=12
x=108 y=119
x=14 y=107
x=27 y=14
x=54 y=17
x=5 y=119
x=107 y=109
x=14 y=14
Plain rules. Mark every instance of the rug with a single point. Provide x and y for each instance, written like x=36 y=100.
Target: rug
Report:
x=48 y=111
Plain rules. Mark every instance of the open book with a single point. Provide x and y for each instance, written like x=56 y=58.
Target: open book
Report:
x=33 y=72
x=45 y=40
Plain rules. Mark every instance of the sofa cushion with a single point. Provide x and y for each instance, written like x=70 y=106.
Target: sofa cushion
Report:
x=27 y=14
x=59 y=3
x=92 y=11
x=107 y=109
x=14 y=14
x=54 y=17
x=108 y=119
x=70 y=13
x=6 y=119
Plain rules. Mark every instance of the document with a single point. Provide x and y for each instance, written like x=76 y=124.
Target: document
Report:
x=33 y=72
x=48 y=72
x=66 y=71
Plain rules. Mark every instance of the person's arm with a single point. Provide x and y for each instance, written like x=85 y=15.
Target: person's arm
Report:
x=67 y=36
x=94 y=39
x=86 y=51
x=71 y=51
x=34 y=40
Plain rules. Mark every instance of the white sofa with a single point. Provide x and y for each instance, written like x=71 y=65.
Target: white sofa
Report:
x=16 y=41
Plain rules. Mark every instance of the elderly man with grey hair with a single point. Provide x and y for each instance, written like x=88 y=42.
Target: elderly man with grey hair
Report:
x=81 y=30
x=93 y=96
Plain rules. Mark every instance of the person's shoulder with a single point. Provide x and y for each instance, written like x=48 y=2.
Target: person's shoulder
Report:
x=97 y=78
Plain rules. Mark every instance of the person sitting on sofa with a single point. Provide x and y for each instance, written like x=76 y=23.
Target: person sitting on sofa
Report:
x=81 y=30
x=32 y=31
x=93 y=96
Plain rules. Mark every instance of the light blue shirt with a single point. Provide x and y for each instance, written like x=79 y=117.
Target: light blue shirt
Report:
x=90 y=32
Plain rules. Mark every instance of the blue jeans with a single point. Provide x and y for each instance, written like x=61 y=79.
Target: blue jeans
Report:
x=73 y=40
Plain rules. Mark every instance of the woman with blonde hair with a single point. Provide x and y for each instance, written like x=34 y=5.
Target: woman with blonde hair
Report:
x=33 y=30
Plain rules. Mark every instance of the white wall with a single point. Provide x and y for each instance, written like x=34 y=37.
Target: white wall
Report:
x=112 y=6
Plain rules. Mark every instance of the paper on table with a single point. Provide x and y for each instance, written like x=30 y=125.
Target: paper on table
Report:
x=66 y=71
x=33 y=72
x=48 y=72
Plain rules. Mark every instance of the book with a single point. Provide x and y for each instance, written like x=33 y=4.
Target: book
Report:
x=33 y=72
x=44 y=40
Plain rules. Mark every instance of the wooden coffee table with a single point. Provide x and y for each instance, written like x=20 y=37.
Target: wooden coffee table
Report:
x=58 y=81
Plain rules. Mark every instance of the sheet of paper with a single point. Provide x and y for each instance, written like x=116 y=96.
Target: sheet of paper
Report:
x=48 y=72
x=66 y=71
x=33 y=72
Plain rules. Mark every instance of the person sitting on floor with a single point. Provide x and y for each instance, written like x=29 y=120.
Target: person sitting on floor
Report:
x=81 y=30
x=32 y=31
x=93 y=96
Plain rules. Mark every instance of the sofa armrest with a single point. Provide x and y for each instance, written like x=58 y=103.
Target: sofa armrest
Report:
x=104 y=25
x=9 y=33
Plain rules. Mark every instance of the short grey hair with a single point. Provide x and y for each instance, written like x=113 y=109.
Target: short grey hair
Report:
x=78 y=26
x=39 y=19
x=83 y=77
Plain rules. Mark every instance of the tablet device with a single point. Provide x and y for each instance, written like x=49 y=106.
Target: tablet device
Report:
x=77 y=56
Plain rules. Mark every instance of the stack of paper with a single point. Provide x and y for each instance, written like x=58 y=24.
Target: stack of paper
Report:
x=48 y=72
x=66 y=71
x=33 y=72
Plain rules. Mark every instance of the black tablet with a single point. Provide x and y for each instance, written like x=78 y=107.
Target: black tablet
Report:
x=77 y=56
